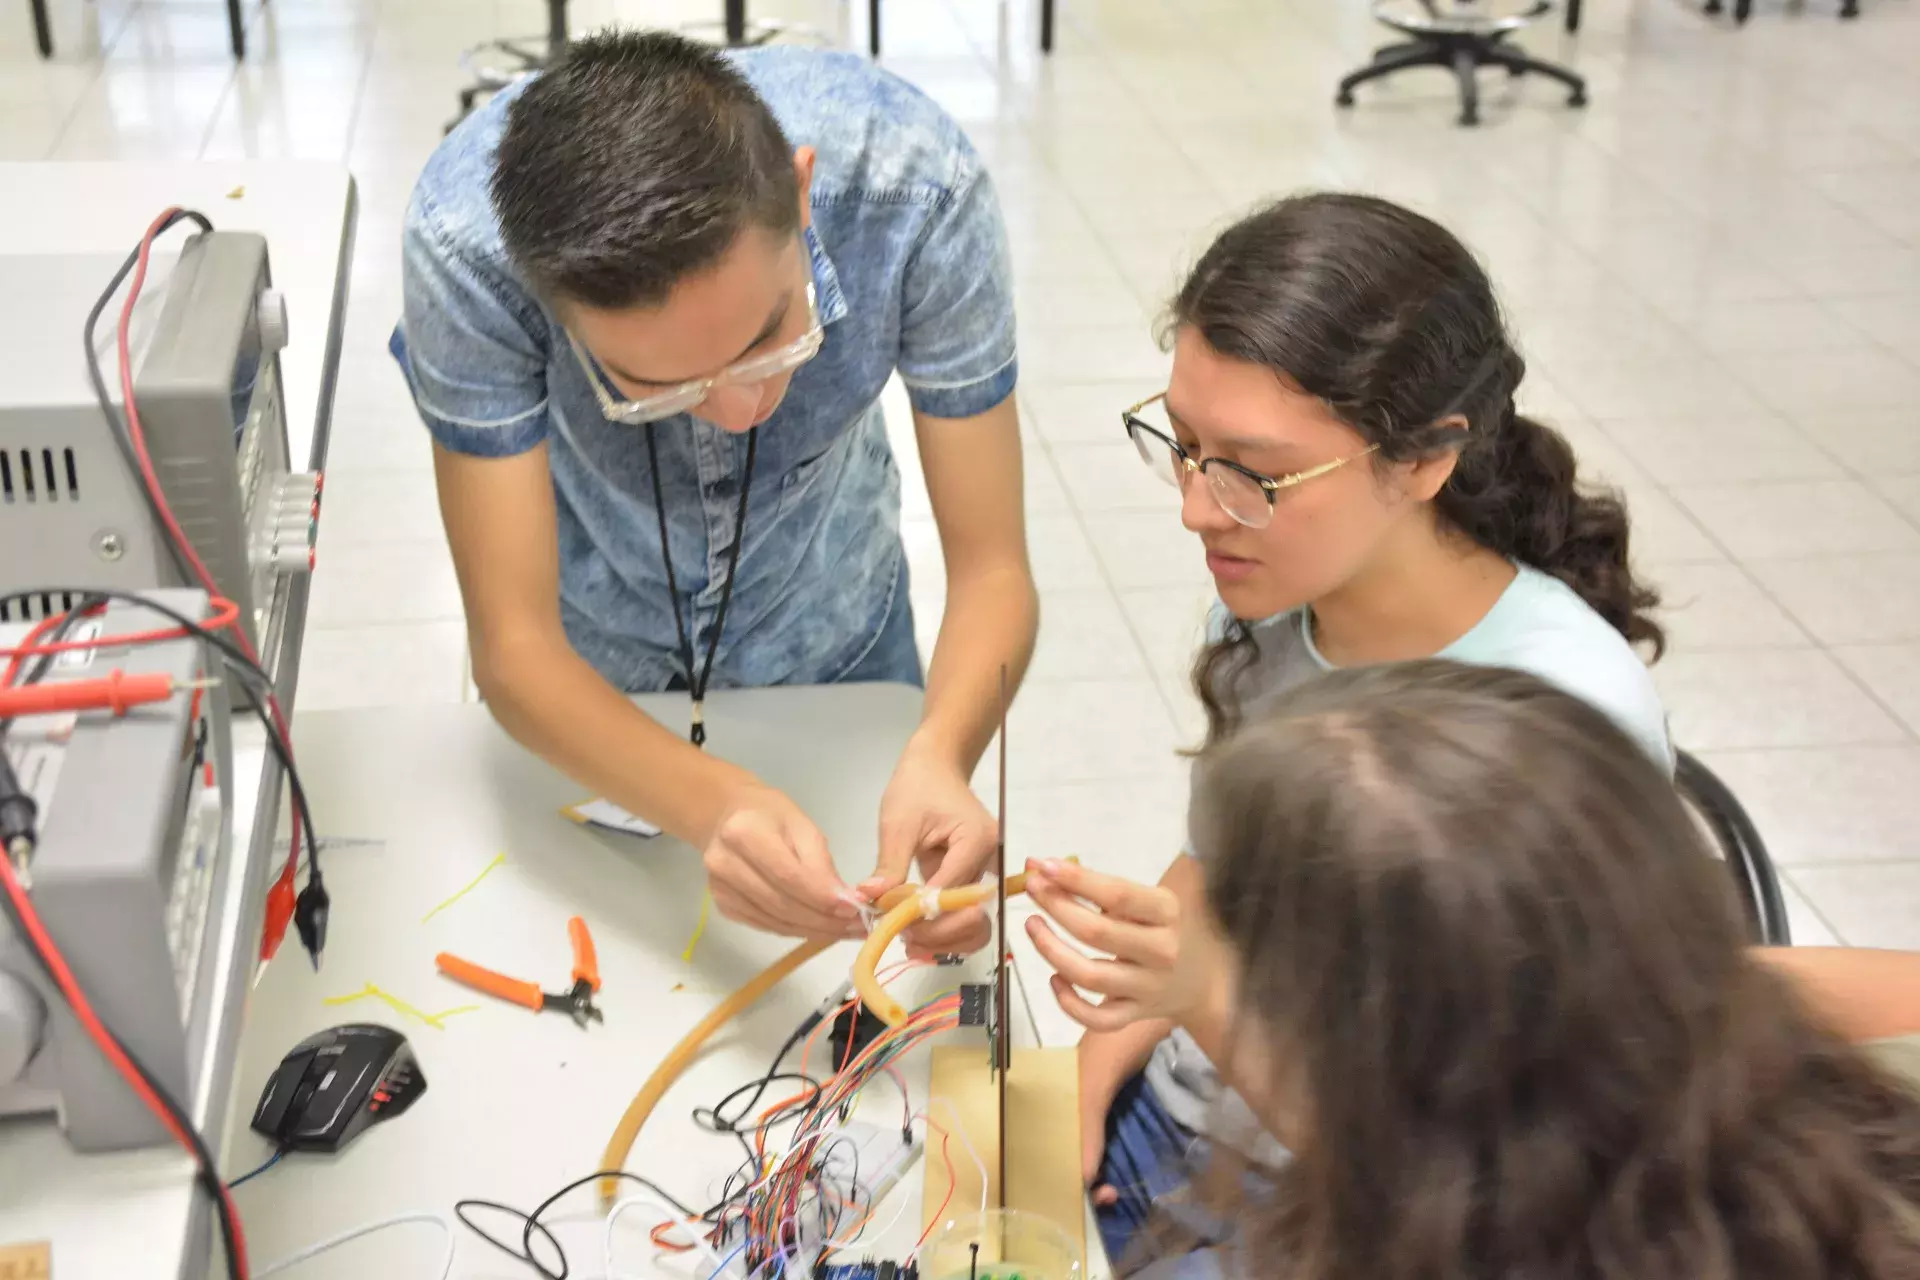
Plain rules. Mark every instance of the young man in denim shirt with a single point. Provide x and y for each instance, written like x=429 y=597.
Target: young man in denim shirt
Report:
x=652 y=297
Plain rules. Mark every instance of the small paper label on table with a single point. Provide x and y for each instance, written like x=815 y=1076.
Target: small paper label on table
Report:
x=608 y=816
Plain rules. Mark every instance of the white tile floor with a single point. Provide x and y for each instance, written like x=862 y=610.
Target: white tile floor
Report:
x=1715 y=270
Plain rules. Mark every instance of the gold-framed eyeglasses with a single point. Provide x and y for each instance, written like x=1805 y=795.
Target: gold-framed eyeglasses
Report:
x=669 y=401
x=1242 y=492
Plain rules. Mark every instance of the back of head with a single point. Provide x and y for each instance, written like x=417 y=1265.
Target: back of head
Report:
x=1386 y=317
x=1511 y=981
x=634 y=161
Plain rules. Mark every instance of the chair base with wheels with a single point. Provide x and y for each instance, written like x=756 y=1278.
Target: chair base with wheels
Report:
x=1046 y=27
x=1743 y=9
x=1463 y=37
x=43 y=28
x=1739 y=843
x=498 y=64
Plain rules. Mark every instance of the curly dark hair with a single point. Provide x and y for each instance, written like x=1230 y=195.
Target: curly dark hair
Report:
x=1479 y=926
x=1387 y=317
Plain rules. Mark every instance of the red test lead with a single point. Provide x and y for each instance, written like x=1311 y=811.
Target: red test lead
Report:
x=116 y=691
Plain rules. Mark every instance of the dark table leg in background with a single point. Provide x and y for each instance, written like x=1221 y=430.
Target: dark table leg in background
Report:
x=236 y=29
x=736 y=11
x=42 y=28
x=556 y=29
x=1046 y=26
x=1573 y=17
x=873 y=27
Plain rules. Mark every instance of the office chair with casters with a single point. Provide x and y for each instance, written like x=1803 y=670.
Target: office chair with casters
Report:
x=1739 y=843
x=1463 y=35
x=499 y=63
x=43 y=28
x=1046 y=26
x=1743 y=9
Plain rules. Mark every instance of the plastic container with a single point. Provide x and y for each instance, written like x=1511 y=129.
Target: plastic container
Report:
x=1012 y=1245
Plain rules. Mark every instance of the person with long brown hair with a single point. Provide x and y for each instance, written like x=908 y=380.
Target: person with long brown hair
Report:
x=1464 y=950
x=1340 y=421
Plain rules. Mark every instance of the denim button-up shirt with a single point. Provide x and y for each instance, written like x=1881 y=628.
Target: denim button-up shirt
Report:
x=911 y=270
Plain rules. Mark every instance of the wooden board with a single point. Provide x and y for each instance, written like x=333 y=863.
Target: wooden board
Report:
x=1043 y=1136
x=26 y=1261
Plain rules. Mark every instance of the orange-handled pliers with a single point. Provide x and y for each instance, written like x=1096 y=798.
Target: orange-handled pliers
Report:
x=577 y=1001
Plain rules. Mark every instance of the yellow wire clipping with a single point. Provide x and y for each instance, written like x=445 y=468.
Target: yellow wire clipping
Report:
x=699 y=927
x=371 y=992
x=472 y=884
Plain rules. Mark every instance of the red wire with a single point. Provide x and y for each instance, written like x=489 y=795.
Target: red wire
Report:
x=108 y=1046
x=669 y=1245
x=280 y=896
x=14 y=657
x=225 y=613
x=953 y=1178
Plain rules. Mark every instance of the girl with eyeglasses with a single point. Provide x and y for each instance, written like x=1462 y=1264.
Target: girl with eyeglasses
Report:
x=1462 y=947
x=1340 y=420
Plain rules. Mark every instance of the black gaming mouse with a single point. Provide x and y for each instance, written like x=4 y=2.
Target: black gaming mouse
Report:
x=334 y=1084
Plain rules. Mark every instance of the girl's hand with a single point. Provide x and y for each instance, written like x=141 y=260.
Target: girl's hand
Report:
x=1161 y=964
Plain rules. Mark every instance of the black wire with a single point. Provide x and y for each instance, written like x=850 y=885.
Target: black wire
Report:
x=209 y=1174
x=714 y=1120
x=236 y=658
x=722 y=1117
x=122 y=437
x=853 y=1183
x=697 y=680
x=532 y=1221
x=460 y=1209
x=36 y=669
x=123 y=440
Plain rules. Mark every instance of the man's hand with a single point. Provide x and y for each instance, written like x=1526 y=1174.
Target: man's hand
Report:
x=769 y=867
x=930 y=817
x=1164 y=959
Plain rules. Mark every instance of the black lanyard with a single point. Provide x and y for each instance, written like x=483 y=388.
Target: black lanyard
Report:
x=697 y=681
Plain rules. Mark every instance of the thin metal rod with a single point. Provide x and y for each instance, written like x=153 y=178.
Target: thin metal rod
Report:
x=1003 y=1046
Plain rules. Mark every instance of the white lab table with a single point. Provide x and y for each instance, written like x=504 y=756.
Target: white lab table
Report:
x=518 y=1104
x=141 y=1207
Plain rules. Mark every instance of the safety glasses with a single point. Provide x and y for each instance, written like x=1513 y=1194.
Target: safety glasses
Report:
x=684 y=397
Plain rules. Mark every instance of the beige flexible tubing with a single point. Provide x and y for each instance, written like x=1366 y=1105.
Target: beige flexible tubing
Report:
x=903 y=905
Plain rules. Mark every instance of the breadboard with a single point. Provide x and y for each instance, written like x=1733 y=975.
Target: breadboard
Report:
x=1043 y=1128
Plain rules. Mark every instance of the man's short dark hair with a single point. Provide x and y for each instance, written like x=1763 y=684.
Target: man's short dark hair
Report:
x=634 y=161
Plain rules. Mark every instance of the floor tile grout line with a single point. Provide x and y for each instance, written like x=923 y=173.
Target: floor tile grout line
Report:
x=233 y=78
x=1806 y=900
x=1073 y=505
x=99 y=65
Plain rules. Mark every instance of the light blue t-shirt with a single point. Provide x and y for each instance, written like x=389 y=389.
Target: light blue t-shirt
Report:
x=1538 y=625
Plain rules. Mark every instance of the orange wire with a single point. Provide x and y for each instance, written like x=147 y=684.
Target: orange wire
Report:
x=953 y=1180
x=669 y=1245
x=806 y=1048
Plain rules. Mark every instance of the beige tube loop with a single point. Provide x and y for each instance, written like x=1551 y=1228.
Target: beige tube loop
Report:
x=903 y=908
